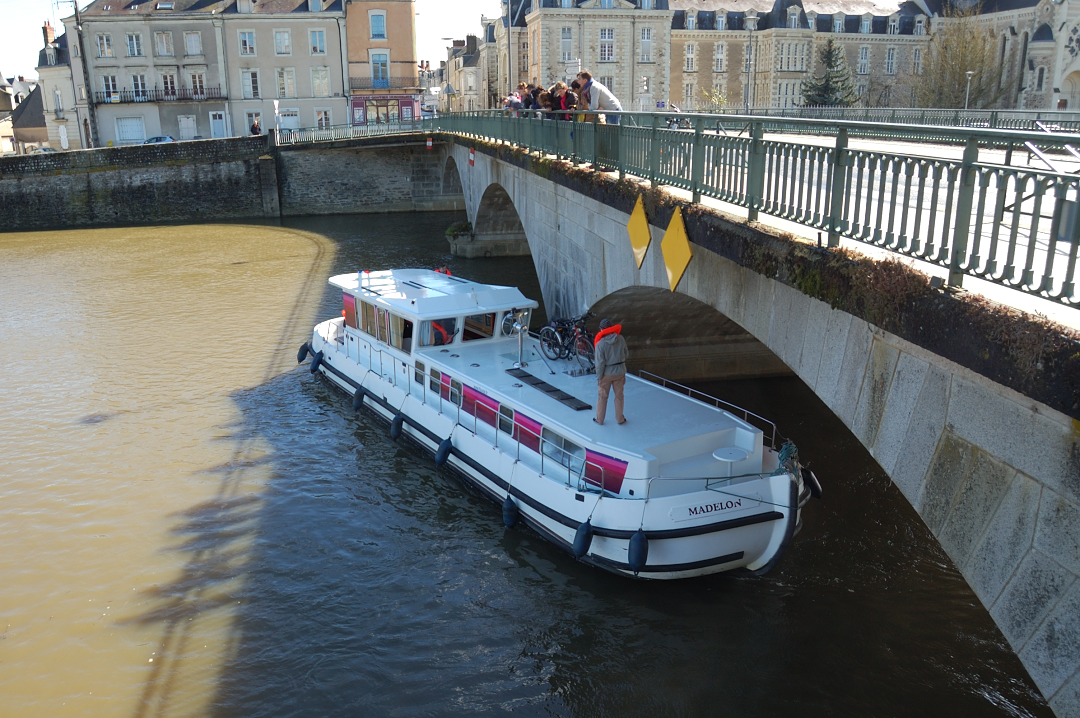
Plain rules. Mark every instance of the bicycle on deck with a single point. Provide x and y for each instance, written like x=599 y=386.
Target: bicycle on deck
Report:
x=563 y=338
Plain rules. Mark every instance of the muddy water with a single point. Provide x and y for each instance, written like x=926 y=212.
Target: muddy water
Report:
x=190 y=525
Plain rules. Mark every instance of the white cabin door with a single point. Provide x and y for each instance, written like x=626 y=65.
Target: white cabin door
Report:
x=187 y=126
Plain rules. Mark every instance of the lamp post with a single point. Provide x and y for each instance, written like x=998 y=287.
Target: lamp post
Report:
x=967 y=92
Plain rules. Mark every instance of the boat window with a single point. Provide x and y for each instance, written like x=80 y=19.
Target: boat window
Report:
x=401 y=333
x=506 y=420
x=563 y=450
x=479 y=326
x=349 y=301
x=418 y=373
x=437 y=332
x=527 y=431
x=455 y=392
x=367 y=318
x=435 y=384
x=383 y=325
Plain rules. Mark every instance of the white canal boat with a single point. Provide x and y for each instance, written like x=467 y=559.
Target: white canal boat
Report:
x=687 y=486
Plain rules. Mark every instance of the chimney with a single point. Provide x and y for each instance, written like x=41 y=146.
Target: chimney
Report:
x=48 y=32
x=459 y=43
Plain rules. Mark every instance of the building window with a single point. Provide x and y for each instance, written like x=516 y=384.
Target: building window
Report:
x=793 y=18
x=916 y=61
x=890 y=61
x=920 y=26
x=646 y=44
x=691 y=21
x=721 y=21
x=163 y=43
x=788 y=93
x=838 y=23
x=320 y=82
x=609 y=82
x=791 y=57
x=860 y=89
x=108 y=85
x=864 y=26
x=198 y=84
x=690 y=65
x=282 y=42
x=607 y=4
x=104 y=46
x=378 y=26
x=380 y=70
x=718 y=57
x=864 y=60
x=323 y=119
x=1039 y=79
x=318 y=42
x=894 y=25
x=316 y=5
x=247 y=43
x=567 y=44
x=747 y=56
x=134 y=44
x=286 y=82
x=688 y=93
x=250 y=81
x=567 y=4
x=251 y=117
x=138 y=88
x=607 y=44
x=193 y=43
x=58 y=106
x=168 y=84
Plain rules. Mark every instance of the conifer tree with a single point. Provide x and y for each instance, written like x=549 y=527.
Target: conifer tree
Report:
x=835 y=88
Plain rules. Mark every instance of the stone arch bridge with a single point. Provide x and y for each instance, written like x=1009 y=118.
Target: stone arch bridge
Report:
x=991 y=464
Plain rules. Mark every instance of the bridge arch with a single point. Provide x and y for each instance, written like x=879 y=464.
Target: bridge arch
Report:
x=451 y=177
x=497 y=227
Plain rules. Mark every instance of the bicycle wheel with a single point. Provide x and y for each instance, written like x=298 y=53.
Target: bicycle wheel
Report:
x=584 y=352
x=550 y=343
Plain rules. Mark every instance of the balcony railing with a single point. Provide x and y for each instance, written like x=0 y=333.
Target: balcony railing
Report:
x=385 y=83
x=156 y=94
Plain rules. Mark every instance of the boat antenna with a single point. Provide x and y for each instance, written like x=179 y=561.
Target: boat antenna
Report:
x=520 y=327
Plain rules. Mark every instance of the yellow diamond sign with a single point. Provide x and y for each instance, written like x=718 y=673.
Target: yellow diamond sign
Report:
x=676 y=249
x=638 y=229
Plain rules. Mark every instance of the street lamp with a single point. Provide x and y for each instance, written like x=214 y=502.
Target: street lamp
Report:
x=967 y=92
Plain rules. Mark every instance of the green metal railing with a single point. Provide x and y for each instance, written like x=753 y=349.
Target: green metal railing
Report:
x=1059 y=120
x=1016 y=226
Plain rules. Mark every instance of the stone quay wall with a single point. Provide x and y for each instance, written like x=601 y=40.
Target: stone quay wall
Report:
x=234 y=178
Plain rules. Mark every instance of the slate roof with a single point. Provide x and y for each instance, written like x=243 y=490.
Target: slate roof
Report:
x=1043 y=34
x=30 y=114
x=62 y=57
x=774 y=14
x=150 y=7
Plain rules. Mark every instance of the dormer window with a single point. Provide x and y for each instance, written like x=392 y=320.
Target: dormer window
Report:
x=920 y=26
x=607 y=4
x=164 y=6
x=811 y=19
x=864 y=26
x=691 y=21
x=894 y=25
x=50 y=55
x=646 y=4
x=838 y=23
x=566 y=4
x=316 y=6
x=793 y=18
x=721 y=21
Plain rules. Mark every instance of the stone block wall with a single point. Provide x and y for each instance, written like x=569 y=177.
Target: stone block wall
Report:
x=167 y=182
x=355 y=177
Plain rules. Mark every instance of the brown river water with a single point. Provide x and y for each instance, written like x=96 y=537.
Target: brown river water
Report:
x=193 y=525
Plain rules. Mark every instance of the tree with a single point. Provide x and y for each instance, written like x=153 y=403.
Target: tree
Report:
x=835 y=88
x=960 y=44
x=715 y=100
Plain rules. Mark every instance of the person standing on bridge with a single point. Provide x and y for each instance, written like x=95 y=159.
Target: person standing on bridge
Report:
x=611 y=354
x=599 y=97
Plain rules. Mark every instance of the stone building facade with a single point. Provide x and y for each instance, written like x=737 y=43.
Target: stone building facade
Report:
x=58 y=91
x=384 y=73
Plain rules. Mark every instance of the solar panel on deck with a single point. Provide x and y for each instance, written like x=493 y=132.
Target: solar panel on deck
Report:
x=552 y=391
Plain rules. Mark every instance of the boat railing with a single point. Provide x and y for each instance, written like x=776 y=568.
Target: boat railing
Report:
x=766 y=426
x=581 y=474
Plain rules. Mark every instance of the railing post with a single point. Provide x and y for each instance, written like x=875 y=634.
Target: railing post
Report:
x=654 y=155
x=839 y=184
x=619 y=154
x=575 y=137
x=697 y=161
x=963 y=212
x=595 y=140
x=755 y=180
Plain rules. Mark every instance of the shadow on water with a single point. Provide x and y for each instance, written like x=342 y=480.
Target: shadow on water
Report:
x=362 y=581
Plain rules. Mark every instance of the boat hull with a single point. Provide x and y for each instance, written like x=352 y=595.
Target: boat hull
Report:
x=740 y=527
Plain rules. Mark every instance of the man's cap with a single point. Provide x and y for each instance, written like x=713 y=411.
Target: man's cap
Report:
x=605 y=323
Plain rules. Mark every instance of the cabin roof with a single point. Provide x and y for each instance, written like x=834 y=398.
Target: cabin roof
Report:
x=427 y=294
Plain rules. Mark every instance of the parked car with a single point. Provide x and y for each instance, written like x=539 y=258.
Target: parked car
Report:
x=159 y=138
x=42 y=151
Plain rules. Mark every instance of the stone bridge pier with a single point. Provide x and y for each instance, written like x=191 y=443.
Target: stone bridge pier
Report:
x=994 y=473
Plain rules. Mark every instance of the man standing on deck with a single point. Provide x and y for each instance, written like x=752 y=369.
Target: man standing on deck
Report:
x=611 y=353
